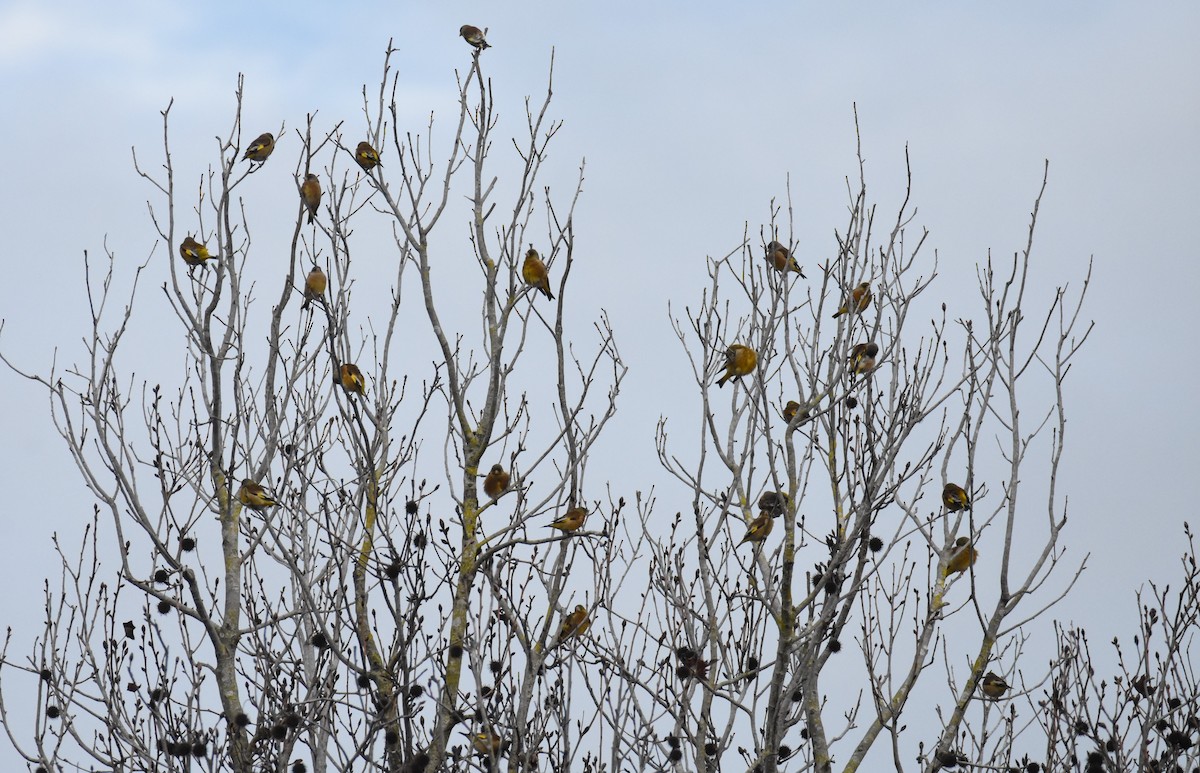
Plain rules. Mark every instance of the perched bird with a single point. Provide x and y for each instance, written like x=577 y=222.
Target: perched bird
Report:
x=573 y=625
x=862 y=357
x=773 y=503
x=793 y=409
x=351 y=379
x=962 y=556
x=261 y=148
x=496 y=481
x=759 y=528
x=487 y=744
x=954 y=498
x=992 y=686
x=254 y=496
x=314 y=286
x=310 y=194
x=474 y=36
x=859 y=300
x=193 y=252
x=367 y=156
x=534 y=272
x=572 y=520
x=739 y=361
x=781 y=259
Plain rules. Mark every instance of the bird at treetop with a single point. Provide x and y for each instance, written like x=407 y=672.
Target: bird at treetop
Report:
x=474 y=36
x=759 y=528
x=261 y=148
x=791 y=409
x=572 y=520
x=773 y=503
x=367 y=156
x=310 y=194
x=534 y=272
x=573 y=625
x=954 y=498
x=860 y=299
x=254 y=496
x=739 y=361
x=193 y=252
x=351 y=379
x=496 y=481
x=992 y=686
x=962 y=556
x=487 y=744
x=862 y=357
x=314 y=286
x=781 y=259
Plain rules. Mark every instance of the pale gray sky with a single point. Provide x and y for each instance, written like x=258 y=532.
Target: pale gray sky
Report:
x=691 y=117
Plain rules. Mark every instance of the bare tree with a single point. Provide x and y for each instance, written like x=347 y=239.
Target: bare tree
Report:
x=332 y=554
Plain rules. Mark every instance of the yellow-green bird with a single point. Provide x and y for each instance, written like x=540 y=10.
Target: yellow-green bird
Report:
x=351 y=379
x=496 y=481
x=858 y=301
x=993 y=686
x=781 y=259
x=572 y=520
x=261 y=148
x=367 y=156
x=954 y=498
x=310 y=194
x=739 y=361
x=573 y=625
x=193 y=252
x=254 y=496
x=862 y=357
x=474 y=36
x=534 y=272
x=962 y=556
x=759 y=528
x=487 y=744
x=314 y=286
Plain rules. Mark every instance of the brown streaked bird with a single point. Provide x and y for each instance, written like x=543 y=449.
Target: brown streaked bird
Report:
x=367 y=156
x=758 y=529
x=261 y=148
x=573 y=625
x=862 y=357
x=962 y=556
x=487 y=744
x=859 y=300
x=496 y=481
x=534 y=272
x=254 y=496
x=781 y=259
x=351 y=379
x=993 y=686
x=739 y=361
x=310 y=194
x=314 y=286
x=193 y=252
x=572 y=520
x=954 y=498
x=474 y=36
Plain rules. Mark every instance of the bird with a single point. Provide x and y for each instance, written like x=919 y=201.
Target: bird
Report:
x=367 y=156
x=954 y=498
x=314 y=286
x=739 y=361
x=781 y=259
x=310 y=194
x=474 y=36
x=534 y=272
x=773 y=503
x=487 y=744
x=759 y=528
x=573 y=625
x=351 y=379
x=793 y=409
x=962 y=557
x=496 y=481
x=572 y=520
x=193 y=252
x=254 y=496
x=993 y=686
x=860 y=299
x=862 y=357
x=261 y=148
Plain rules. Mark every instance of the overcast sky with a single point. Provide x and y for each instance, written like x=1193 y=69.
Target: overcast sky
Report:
x=691 y=117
